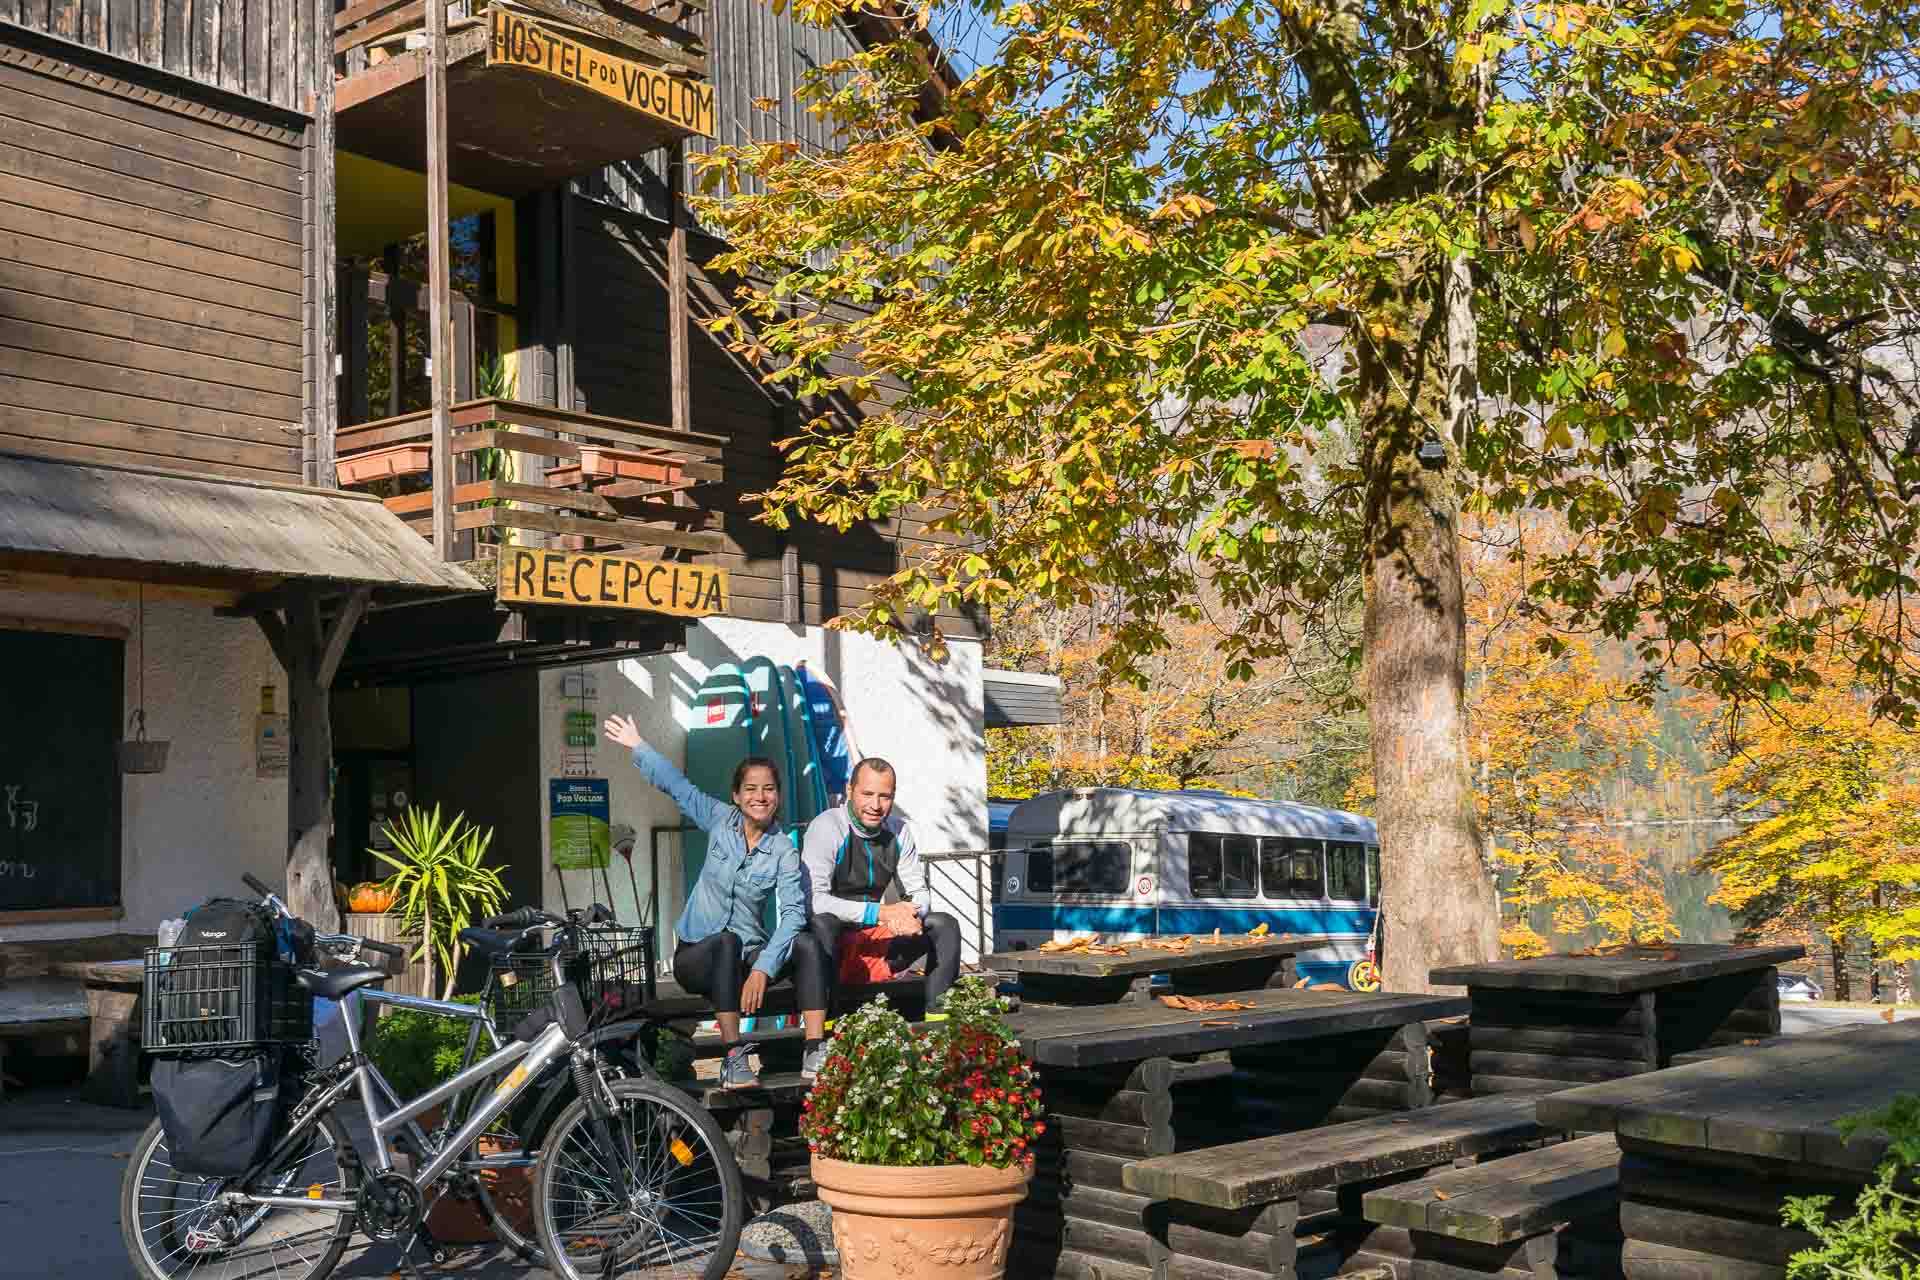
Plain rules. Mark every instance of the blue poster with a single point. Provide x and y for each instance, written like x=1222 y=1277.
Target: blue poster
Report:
x=579 y=823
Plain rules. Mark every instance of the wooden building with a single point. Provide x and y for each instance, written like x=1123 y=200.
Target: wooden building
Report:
x=267 y=270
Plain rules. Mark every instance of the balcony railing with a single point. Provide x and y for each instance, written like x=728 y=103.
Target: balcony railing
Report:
x=538 y=91
x=605 y=483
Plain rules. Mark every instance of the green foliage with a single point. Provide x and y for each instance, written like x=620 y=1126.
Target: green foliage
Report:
x=442 y=883
x=957 y=1093
x=416 y=1051
x=1877 y=1242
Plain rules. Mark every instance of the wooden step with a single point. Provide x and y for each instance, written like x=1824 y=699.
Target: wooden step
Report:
x=1509 y=1198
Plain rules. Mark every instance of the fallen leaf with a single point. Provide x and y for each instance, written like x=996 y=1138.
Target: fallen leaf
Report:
x=1200 y=1004
x=1749 y=1042
x=1258 y=931
x=1669 y=955
x=1438 y=1194
x=1886 y=1015
x=1219 y=1024
x=1216 y=935
x=1303 y=984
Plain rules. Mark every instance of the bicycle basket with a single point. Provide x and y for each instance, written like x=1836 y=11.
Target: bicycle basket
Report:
x=620 y=969
x=230 y=997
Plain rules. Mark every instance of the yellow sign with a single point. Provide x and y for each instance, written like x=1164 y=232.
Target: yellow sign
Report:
x=585 y=580
x=518 y=41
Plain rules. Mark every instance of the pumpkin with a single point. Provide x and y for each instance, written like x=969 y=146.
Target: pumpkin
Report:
x=370 y=897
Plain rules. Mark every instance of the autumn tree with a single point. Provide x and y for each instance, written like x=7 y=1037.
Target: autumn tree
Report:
x=1829 y=795
x=1283 y=287
x=1282 y=733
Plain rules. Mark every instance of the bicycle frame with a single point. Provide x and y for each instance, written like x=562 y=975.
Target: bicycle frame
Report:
x=521 y=1061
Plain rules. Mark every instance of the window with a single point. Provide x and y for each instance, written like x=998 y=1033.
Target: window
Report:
x=1373 y=875
x=1346 y=873
x=1102 y=869
x=1290 y=868
x=1221 y=866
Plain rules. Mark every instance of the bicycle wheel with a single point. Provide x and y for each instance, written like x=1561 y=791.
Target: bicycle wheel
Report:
x=176 y=1226
x=666 y=1203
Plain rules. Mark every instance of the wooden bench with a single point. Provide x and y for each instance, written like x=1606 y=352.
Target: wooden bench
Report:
x=1516 y=1216
x=1249 y=1210
x=42 y=1012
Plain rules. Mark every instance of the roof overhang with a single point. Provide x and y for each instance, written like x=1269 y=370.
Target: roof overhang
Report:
x=1015 y=698
x=141 y=524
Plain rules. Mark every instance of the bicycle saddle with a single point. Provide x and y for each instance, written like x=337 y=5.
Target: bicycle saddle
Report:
x=495 y=942
x=334 y=984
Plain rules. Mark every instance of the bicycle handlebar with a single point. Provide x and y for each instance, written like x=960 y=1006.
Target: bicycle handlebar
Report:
x=384 y=948
x=253 y=884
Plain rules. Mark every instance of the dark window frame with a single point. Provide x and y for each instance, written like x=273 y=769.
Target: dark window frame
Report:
x=1054 y=887
x=1354 y=849
x=1222 y=878
x=1292 y=847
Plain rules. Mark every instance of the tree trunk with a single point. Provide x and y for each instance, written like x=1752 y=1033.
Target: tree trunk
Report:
x=1438 y=898
x=309 y=796
x=1842 y=975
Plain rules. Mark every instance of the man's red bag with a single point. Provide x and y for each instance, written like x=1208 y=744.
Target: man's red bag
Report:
x=863 y=954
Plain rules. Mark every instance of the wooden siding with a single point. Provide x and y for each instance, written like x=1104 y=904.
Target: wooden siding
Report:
x=244 y=47
x=754 y=53
x=150 y=277
x=620 y=360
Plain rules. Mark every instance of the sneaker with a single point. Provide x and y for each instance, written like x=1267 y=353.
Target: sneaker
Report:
x=815 y=1059
x=736 y=1072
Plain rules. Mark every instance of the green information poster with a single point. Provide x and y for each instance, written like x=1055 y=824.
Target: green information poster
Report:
x=579 y=829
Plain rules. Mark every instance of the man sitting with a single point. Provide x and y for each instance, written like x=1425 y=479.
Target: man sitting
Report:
x=853 y=854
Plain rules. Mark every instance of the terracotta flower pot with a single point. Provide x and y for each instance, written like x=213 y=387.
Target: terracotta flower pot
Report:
x=951 y=1221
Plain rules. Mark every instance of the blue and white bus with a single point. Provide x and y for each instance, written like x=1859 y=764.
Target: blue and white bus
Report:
x=1131 y=864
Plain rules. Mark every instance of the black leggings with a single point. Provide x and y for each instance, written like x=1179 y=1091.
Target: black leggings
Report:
x=939 y=935
x=717 y=967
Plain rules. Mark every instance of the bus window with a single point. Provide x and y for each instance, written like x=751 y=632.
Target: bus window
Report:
x=1221 y=866
x=1290 y=868
x=1373 y=875
x=1105 y=870
x=1039 y=870
x=1346 y=873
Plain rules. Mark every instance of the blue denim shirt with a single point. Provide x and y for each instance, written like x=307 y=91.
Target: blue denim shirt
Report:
x=733 y=884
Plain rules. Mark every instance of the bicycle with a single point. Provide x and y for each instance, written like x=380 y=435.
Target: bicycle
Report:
x=631 y=1172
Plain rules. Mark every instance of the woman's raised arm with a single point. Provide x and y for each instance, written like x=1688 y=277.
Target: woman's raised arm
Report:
x=701 y=809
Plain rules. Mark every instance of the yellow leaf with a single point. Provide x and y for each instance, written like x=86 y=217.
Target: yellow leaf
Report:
x=1615 y=344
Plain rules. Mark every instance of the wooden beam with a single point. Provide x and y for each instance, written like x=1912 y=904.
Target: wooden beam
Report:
x=355 y=347
x=439 y=281
x=679 y=383
x=609 y=530
x=276 y=633
x=62 y=915
x=109 y=589
x=396 y=331
x=323 y=245
x=352 y=609
x=414 y=504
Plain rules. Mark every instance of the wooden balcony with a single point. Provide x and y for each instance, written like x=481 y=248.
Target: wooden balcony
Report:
x=603 y=484
x=538 y=91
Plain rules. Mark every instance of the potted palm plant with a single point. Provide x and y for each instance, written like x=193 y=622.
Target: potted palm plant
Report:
x=922 y=1142
x=441 y=884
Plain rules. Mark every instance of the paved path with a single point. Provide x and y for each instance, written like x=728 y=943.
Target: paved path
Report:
x=1798 y=1018
x=61 y=1161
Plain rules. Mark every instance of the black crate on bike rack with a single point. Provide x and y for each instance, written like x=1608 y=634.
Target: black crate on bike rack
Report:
x=199 y=998
x=517 y=985
x=620 y=968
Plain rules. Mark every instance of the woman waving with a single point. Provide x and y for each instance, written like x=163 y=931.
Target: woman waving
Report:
x=722 y=948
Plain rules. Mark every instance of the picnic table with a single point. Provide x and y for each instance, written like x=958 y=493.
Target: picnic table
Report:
x=1554 y=1021
x=113 y=1026
x=1125 y=1082
x=1089 y=972
x=1709 y=1150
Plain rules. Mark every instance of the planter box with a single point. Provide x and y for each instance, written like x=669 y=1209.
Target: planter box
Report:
x=383 y=927
x=377 y=464
x=627 y=464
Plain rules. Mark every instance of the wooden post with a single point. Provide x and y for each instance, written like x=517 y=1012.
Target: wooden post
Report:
x=326 y=400
x=309 y=815
x=439 y=281
x=354 y=347
x=677 y=356
x=396 y=334
x=311 y=655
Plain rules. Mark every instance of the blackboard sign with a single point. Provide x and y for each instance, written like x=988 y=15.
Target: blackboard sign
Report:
x=59 y=780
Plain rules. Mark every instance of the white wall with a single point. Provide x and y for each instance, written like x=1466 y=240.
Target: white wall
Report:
x=186 y=834
x=926 y=718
